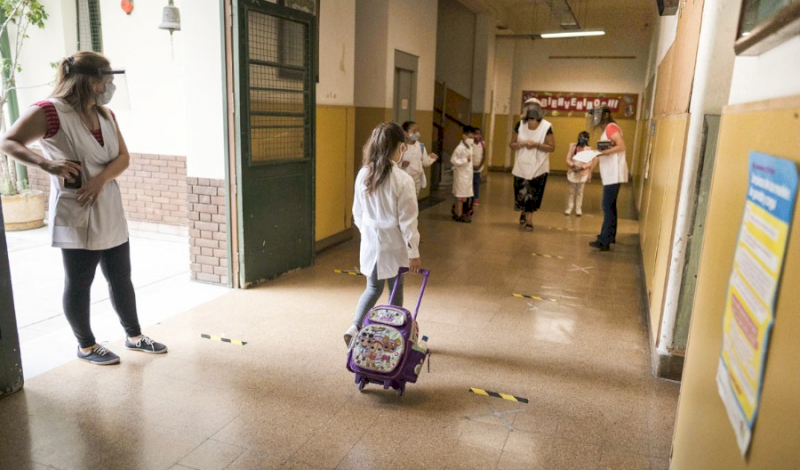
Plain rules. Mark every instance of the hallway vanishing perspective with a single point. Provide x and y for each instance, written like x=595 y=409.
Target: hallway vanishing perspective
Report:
x=285 y=400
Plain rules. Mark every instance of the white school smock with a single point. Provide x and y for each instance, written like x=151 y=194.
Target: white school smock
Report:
x=97 y=226
x=462 y=170
x=613 y=167
x=387 y=220
x=477 y=158
x=530 y=163
x=417 y=158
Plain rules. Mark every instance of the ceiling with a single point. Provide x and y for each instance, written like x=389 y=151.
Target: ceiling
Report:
x=529 y=16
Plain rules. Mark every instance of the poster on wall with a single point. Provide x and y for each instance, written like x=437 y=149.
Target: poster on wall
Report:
x=752 y=289
x=573 y=104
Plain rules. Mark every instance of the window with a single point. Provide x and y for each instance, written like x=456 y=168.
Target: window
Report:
x=763 y=24
x=89 y=31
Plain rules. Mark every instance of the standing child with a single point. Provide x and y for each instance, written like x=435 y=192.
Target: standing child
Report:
x=478 y=151
x=385 y=212
x=462 y=176
x=416 y=157
x=578 y=174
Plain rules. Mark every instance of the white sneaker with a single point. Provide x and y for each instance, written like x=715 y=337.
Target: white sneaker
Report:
x=578 y=212
x=568 y=211
x=349 y=334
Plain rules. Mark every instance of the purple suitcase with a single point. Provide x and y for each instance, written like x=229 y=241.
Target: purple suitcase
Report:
x=386 y=352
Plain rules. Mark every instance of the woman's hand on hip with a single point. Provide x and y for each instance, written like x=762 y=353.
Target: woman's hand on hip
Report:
x=61 y=168
x=90 y=191
x=414 y=265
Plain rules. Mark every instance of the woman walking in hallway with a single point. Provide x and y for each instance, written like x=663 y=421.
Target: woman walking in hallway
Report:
x=533 y=143
x=84 y=153
x=613 y=172
x=385 y=212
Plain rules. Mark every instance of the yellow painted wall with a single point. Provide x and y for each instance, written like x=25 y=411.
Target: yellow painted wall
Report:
x=500 y=143
x=703 y=435
x=334 y=169
x=660 y=200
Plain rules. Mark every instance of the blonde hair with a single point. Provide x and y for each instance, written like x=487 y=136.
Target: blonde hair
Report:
x=76 y=88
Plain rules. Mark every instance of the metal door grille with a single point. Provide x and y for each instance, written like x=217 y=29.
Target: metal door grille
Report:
x=90 y=37
x=277 y=69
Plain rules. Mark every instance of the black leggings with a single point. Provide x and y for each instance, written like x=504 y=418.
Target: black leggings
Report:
x=80 y=267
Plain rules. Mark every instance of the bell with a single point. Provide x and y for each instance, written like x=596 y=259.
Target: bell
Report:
x=171 y=18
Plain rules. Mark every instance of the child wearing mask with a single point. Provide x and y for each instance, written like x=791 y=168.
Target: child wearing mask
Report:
x=385 y=212
x=478 y=151
x=461 y=160
x=416 y=158
x=578 y=174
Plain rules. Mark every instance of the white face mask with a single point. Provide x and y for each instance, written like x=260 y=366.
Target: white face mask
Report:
x=469 y=141
x=414 y=136
x=104 y=98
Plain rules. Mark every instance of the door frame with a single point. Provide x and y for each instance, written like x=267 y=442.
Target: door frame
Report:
x=238 y=81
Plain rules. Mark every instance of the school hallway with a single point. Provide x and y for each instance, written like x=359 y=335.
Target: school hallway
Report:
x=285 y=399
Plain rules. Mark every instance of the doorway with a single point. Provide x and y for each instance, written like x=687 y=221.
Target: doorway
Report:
x=405 y=86
x=275 y=79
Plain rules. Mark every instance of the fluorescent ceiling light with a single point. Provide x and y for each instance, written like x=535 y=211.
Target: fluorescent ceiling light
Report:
x=573 y=34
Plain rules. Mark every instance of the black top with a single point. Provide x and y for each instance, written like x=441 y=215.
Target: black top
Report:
x=516 y=128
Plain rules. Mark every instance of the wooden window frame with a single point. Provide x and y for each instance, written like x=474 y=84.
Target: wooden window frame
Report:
x=782 y=26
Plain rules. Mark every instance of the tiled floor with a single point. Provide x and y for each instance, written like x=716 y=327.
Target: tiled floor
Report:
x=38 y=279
x=285 y=400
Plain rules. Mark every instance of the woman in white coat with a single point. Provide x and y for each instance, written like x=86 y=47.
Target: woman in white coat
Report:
x=385 y=212
x=84 y=153
x=533 y=142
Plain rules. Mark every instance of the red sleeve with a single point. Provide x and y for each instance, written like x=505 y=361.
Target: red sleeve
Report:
x=50 y=113
x=612 y=129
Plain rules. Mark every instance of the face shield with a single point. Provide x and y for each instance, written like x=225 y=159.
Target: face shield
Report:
x=118 y=98
x=532 y=110
x=594 y=117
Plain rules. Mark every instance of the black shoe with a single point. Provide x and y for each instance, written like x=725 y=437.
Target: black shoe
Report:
x=528 y=228
x=147 y=345
x=599 y=246
x=522 y=219
x=99 y=356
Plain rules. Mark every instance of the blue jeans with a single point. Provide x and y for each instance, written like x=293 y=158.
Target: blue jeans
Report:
x=476 y=185
x=373 y=292
x=608 y=234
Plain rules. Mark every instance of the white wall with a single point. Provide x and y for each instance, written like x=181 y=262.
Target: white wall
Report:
x=412 y=29
x=455 y=46
x=773 y=74
x=156 y=120
x=337 y=40
x=667 y=31
x=372 y=22
x=57 y=40
x=203 y=68
x=503 y=74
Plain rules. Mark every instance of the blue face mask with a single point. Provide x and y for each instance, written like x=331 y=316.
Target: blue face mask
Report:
x=583 y=142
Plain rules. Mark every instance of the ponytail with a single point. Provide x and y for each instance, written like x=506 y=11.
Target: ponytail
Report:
x=378 y=153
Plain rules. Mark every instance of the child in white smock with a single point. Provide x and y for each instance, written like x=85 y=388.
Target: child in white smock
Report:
x=578 y=174
x=416 y=158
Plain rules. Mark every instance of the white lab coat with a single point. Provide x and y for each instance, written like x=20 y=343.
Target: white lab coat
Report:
x=530 y=163
x=613 y=167
x=477 y=158
x=387 y=220
x=417 y=158
x=462 y=170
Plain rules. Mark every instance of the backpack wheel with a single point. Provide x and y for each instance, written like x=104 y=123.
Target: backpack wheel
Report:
x=361 y=385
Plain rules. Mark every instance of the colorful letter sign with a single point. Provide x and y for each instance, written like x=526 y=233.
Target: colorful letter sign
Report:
x=752 y=289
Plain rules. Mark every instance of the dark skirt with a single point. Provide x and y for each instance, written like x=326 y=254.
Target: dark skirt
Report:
x=529 y=193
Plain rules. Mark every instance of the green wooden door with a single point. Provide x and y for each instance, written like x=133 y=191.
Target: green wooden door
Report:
x=275 y=118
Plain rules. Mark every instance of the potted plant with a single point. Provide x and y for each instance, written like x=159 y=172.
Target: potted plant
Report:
x=23 y=207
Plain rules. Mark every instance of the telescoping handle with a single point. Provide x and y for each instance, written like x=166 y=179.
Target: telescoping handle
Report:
x=425 y=273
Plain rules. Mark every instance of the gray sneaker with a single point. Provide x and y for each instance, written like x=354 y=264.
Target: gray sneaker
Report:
x=145 y=344
x=99 y=356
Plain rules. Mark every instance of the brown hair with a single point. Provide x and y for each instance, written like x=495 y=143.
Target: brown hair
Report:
x=378 y=153
x=76 y=88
